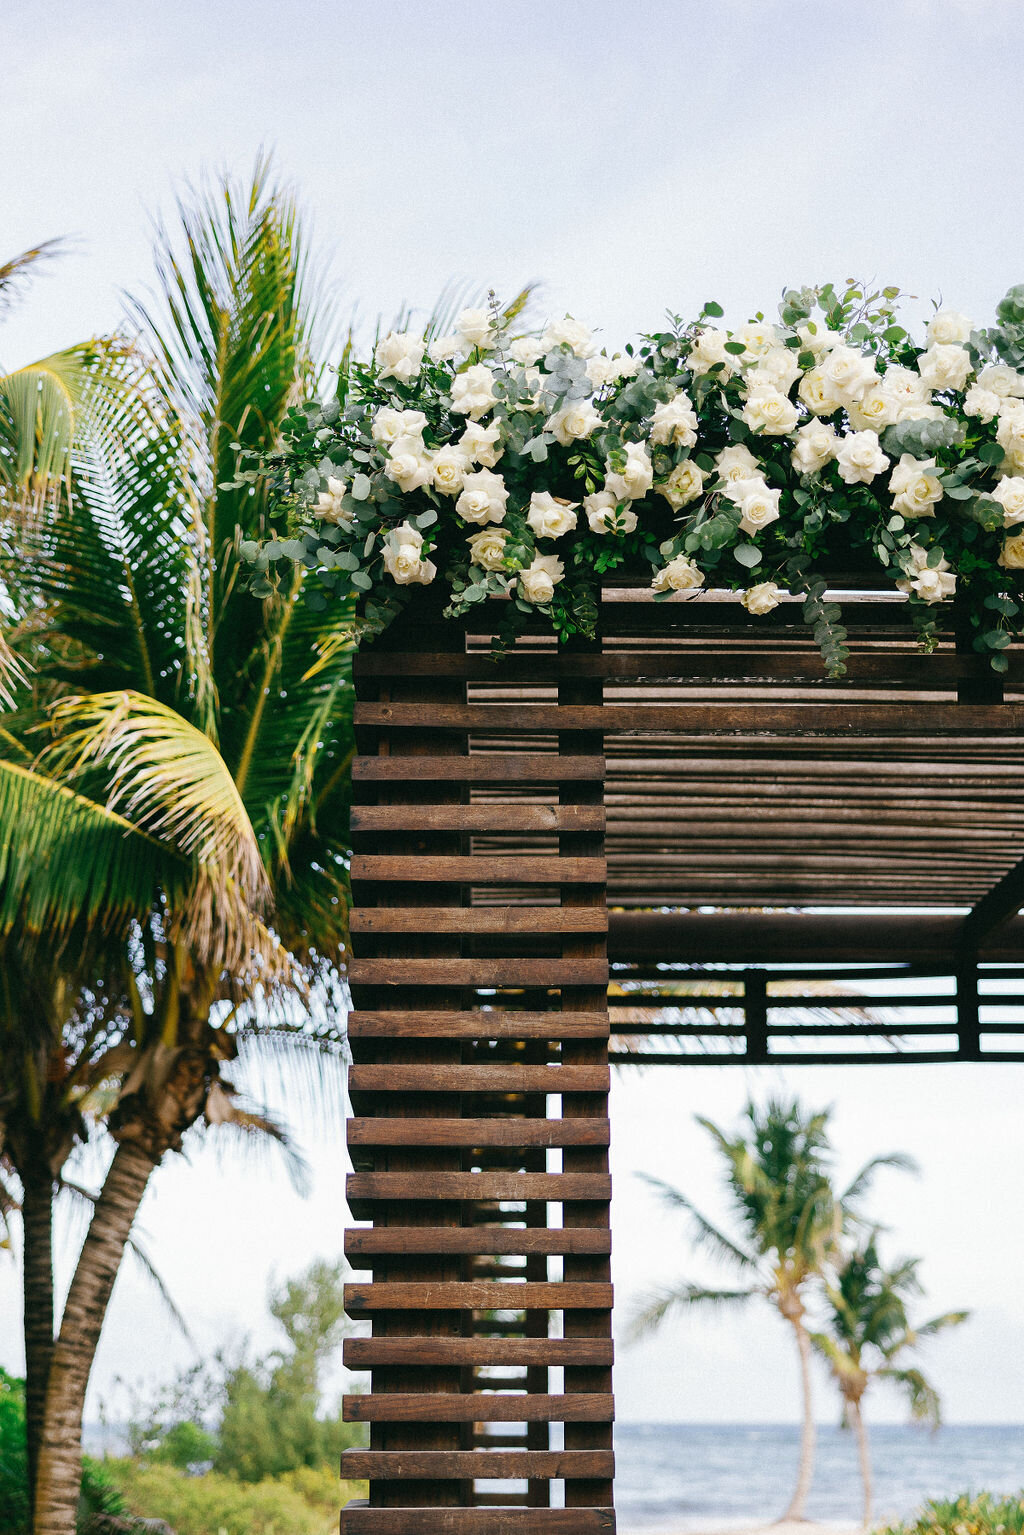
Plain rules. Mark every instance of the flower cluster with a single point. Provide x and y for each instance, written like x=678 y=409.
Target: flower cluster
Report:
x=527 y=467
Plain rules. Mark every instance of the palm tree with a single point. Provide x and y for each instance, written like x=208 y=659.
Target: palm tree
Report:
x=174 y=779
x=777 y=1171
x=868 y=1329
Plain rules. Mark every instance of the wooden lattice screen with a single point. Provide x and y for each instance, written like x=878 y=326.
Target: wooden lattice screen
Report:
x=478 y=1115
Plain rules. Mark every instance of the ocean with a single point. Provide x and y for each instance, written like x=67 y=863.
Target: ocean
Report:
x=682 y=1477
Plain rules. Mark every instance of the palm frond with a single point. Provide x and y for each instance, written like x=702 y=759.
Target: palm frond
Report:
x=859 y=1186
x=922 y=1397
x=707 y=1235
x=15 y=271
x=657 y=1304
x=163 y=774
x=64 y=858
x=226 y=1112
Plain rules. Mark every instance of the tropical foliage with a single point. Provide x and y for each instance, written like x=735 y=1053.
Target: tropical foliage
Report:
x=970 y=1514
x=529 y=466
x=869 y=1332
x=789 y=1221
x=173 y=777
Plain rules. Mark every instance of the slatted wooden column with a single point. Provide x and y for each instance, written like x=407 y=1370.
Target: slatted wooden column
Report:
x=480 y=1047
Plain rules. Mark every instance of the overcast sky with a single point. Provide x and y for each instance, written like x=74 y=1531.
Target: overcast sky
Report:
x=631 y=157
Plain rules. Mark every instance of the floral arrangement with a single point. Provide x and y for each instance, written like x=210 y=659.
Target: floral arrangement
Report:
x=526 y=467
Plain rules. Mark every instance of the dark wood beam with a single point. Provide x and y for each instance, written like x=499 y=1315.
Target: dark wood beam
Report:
x=996 y=908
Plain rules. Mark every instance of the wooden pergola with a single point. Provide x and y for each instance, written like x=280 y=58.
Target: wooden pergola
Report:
x=678 y=843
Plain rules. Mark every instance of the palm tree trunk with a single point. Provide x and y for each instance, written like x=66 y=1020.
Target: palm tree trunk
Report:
x=37 y=1227
x=60 y=1459
x=864 y=1452
x=798 y=1501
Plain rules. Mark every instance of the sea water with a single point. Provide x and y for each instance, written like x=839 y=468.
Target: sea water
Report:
x=683 y=1477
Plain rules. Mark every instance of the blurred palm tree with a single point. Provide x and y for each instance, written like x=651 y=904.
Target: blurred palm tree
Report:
x=777 y=1174
x=174 y=776
x=868 y=1330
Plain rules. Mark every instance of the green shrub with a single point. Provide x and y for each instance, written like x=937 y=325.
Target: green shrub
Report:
x=981 y=1514
x=14 y=1499
x=305 y=1502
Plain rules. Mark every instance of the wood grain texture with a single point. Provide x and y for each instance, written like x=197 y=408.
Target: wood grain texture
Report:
x=477 y=919
x=517 y=1133
x=479 y=1407
x=494 y=1465
x=495 y=1023
x=475 y=1239
x=506 y=1077
x=404 y=1296
x=533 y=869
x=477 y=972
x=503 y=767
x=477 y=1521
x=368 y=1353
x=492 y=1185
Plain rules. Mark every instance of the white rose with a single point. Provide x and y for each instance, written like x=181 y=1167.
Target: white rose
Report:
x=904 y=385
x=576 y=420
x=917 y=410
x=818 y=339
x=571 y=333
x=983 y=403
x=860 y=458
x=758 y=339
x=635 y=479
x=675 y=422
x=679 y=575
x=778 y=367
x=930 y=583
x=1001 y=379
x=945 y=367
x=737 y=463
x=708 y=350
x=603 y=516
x=1012 y=554
x=1010 y=495
x=409 y=465
x=390 y=424
x=473 y=391
x=487 y=548
x=550 y=518
x=946 y=327
x=480 y=443
x=450 y=465
x=874 y=411
x=1010 y=437
x=400 y=355
x=483 y=497
x=402 y=557
x=848 y=373
x=770 y=412
x=758 y=504
x=328 y=504
x=608 y=370
x=473 y=327
x=914 y=491
x=444 y=348
x=817 y=393
x=538 y=581
x=683 y=485
x=525 y=350
x=816 y=445
x=762 y=598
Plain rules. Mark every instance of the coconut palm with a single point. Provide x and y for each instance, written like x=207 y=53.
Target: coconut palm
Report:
x=174 y=776
x=868 y=1330
x=777 y=1171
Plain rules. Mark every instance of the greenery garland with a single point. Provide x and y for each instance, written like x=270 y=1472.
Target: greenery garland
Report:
x=529 y=467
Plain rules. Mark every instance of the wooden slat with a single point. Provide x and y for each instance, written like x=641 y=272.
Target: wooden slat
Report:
x=502 y=1077
x=535 y=869
x=477 y=972
x=513 y=1240
x=367 y=1353
x=515 y=1296
x=487 y=817
x=494 y=1023
x=479 y=1407
x=477 y=919
x=491 y=1185
x=494 y=1465
x=477 y=1521
x=504 y=767
x=478 y=1132
x=895 y=719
